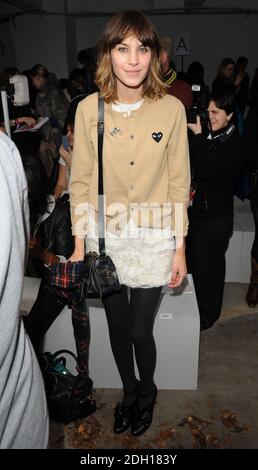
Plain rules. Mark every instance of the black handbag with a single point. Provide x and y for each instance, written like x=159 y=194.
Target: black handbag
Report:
x=101 y=276
x=100 y=273
x=69 y=396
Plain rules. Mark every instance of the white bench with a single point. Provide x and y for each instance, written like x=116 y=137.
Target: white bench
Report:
x=176 y=332
x=238 y=256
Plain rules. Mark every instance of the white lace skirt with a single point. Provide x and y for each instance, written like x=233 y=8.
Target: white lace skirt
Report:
x=142 y=256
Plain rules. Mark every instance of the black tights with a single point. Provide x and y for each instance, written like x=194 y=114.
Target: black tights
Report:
x=130 y=323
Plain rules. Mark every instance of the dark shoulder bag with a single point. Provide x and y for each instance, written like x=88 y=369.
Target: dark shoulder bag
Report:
x=101 y=276
x=69 y=396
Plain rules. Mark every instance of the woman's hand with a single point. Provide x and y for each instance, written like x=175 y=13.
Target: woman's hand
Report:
x=78 y=254
x=66 y=155
x=36 y=249
x=196 y=127
x=27 y=120
x=45 y=256
x=61 y=184
x=58 y=191
x=179 y=270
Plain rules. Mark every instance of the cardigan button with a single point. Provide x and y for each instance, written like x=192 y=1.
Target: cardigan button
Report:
x=131 y=163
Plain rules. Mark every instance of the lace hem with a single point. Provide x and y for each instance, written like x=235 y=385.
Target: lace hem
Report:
x=139 y=263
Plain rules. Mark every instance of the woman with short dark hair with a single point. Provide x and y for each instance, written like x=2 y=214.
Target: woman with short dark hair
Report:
x=216 y=158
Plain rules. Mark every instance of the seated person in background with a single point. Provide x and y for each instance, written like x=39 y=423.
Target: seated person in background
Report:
x=88 y=58
x=63 y=83
x=226 y=77
x=50 y=102
x=178 y=88
x=65 y=151
x=23 y=411
x=51 y=241
x=241 y=80
x=225 y=74
x=79 y=83
x=195 y=75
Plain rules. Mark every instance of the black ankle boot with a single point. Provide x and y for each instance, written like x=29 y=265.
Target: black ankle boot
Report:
x=143 y=417
x=124 y=414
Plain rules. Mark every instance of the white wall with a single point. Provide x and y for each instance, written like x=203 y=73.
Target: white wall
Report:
x=42 y=38
x=213 y=38
x=118 y=5
x=6 y=39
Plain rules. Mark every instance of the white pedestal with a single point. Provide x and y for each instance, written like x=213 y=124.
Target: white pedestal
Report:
x=176 y=332
x=233 y=254
x=238 y=256
x=245 y=219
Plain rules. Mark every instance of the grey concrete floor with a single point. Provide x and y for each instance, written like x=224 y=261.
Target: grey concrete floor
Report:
x=221 y=413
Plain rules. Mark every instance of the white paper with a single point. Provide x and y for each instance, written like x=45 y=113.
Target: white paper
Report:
x=35 y=128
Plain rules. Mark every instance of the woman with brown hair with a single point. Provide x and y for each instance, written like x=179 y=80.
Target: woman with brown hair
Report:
x=225 y=74
x=52 y=103
x=50 y=100
x=146 y=184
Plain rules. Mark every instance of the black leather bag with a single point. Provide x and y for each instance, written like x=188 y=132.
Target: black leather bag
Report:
x=101 y=277
x=69 y=396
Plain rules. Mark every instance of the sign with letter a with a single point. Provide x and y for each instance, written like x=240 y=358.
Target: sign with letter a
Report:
x=181 y=44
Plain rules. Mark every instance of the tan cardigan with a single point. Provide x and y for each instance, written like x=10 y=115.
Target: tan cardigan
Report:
x=145 y=160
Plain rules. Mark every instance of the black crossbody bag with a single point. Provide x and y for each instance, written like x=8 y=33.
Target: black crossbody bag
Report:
x=101 y=277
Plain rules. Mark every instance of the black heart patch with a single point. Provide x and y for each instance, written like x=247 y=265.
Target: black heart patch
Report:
x=157 y=136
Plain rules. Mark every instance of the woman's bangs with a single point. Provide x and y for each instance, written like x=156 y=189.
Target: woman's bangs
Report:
x=143 y=35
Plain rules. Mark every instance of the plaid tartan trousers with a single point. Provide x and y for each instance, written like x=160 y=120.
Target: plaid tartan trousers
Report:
x=66 y=280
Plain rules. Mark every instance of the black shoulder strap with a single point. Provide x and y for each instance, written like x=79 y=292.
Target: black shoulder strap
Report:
x=50 y=232
x=101 y=219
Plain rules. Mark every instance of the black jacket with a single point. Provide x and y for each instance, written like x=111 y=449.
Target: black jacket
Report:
x=55 y=233
x=215 y=167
